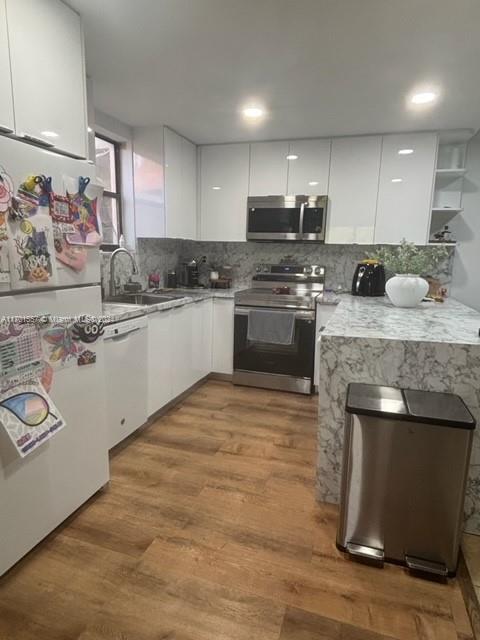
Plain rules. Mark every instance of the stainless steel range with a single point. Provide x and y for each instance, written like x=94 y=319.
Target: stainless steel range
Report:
x=274 y=339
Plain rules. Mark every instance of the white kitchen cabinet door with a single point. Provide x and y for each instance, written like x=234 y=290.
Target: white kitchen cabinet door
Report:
x=268 y=168
x=353 y=190
x=405 y=188
x=222 y=336
x=160 y=360
x=180 y=186
x=149 y=179
x=173 y=183
x=48 y=74
x=7 y=122
x=224 y=192
x=189 y=190
x=308 y=174
x=202 y=338
x=182 y=372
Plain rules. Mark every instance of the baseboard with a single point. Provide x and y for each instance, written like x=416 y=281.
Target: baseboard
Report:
x=223 y=377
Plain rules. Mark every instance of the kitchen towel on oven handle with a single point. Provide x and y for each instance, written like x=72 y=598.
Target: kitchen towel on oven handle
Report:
x=274 y=327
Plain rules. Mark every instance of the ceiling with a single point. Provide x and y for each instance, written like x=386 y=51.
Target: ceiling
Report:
x=320 y=67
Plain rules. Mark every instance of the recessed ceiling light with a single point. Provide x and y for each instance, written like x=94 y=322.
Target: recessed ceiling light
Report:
x=405 y=152
x=424 y=97
x=313 y=183
x=397 y=180
x=292 y=156
x=49 y=134
x=253 y=113
x=216 y=188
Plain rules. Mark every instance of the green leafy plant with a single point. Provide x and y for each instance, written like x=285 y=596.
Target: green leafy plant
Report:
x=408 y=258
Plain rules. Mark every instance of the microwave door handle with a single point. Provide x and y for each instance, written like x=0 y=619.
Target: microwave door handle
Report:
x=302 y=207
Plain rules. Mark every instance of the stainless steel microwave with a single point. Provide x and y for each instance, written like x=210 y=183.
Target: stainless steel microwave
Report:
x=287 y=218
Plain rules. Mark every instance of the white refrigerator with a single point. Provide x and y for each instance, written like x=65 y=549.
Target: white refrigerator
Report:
x=39 y=491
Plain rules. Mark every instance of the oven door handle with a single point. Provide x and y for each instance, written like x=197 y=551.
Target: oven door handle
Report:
x=300 y=314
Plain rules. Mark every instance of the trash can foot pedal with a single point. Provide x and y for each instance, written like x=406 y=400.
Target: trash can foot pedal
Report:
x=366 y=553
x=426 y=566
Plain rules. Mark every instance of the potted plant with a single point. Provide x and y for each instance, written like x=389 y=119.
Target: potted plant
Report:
x=408 y=263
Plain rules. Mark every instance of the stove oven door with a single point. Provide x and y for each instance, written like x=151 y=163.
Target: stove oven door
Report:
x=275 y=366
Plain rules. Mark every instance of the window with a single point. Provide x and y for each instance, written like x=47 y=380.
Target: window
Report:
x=107 y=160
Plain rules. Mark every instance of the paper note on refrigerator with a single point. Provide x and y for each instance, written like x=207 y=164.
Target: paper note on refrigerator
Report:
x=29 y=416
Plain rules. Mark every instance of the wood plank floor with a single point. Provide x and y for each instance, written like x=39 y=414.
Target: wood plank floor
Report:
x=209 y=530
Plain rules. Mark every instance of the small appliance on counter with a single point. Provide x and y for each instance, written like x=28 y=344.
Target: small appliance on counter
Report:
x=171 y=279
x=369 y=279
x=190 y=273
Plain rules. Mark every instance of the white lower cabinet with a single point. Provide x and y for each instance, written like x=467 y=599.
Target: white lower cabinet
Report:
x=182 y=345
x=202 y=339
x=160 y=358
x=222 y=336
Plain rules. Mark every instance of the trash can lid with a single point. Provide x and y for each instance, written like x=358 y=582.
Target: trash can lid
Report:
x=429 y=407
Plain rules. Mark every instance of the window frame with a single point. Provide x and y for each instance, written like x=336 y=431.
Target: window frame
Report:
x=114 y=195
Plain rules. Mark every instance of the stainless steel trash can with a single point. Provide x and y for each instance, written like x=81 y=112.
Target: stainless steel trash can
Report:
x=405 y=464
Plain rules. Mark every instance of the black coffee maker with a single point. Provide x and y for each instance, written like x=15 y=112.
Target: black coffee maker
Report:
x=369 y=279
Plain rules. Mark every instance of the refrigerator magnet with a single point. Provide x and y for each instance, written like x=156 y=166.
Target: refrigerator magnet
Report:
x=29 y=416
x=6 y=195
x=84 y=212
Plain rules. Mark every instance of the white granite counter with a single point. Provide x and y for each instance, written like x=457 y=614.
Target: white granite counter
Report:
x=449 y=321
x=434 y=347
x=116 y=312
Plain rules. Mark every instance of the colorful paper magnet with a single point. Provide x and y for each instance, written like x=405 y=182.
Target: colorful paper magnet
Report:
x=29 y=416
x=31 y=250
x=85 y=216
x=61 y=350
x=71 y=255
x=6 y=196
x=87 y=357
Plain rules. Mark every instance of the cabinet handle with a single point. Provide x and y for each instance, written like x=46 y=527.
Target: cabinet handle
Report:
x=5 y=129
x=37 y=140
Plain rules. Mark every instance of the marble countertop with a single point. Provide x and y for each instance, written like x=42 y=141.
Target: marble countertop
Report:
x=116 y=312
x=448 y=322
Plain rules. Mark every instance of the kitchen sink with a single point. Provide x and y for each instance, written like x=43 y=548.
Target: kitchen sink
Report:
x=142 y=298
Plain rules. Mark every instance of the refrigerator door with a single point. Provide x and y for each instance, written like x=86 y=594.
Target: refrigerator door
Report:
x=20 y=160
x=38 y=492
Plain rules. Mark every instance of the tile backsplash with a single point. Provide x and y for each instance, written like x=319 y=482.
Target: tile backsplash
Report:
x=158 y=255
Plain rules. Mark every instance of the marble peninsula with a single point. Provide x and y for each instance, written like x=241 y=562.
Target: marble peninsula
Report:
x=434 y=347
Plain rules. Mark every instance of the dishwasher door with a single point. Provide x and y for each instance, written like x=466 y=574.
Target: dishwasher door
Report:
x=126 y=358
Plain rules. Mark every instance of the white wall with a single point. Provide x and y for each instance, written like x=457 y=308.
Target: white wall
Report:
x=466 y=270
x=120 y=132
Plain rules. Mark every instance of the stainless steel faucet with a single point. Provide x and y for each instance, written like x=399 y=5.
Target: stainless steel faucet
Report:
x=113 y=286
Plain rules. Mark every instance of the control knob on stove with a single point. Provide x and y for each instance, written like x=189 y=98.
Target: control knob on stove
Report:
x=308 y=270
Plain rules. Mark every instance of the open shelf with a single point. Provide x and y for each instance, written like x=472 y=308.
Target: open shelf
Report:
x=451 y=173
x=452 y=210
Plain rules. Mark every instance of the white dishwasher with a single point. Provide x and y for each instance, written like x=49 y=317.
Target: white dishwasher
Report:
x=126 y=373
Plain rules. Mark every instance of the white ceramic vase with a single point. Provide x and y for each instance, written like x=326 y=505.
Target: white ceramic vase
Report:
x=406 y=289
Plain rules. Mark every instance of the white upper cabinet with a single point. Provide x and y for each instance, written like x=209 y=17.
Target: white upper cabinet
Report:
x=405 y=188
x=148 y=168
x=7 y=123
x=268 y=168
x=180 y=186
x=48 y=74
x=353 y=190
x=308 y=173
x=224 y=192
